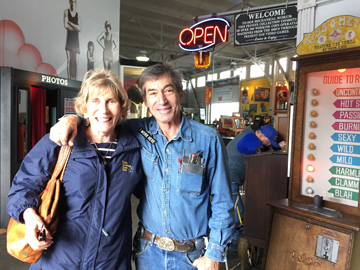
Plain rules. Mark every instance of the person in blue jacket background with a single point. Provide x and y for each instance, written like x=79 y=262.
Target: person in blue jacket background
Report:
x=245 y=143
x=94 y=229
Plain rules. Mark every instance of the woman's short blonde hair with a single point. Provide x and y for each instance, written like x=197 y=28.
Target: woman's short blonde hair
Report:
x=101 y=80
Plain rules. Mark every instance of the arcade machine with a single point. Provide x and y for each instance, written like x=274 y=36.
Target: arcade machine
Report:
x=318 y=226
x=30 y=104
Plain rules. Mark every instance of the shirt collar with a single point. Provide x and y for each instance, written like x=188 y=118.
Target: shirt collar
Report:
x=184 y=130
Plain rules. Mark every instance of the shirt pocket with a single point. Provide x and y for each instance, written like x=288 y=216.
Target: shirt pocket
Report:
x=150 y=164
x=190 y=179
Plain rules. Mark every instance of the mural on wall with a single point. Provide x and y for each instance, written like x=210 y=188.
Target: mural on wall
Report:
x=19 y=54
x=109 y=45
x=64 y=38
x=72 y=24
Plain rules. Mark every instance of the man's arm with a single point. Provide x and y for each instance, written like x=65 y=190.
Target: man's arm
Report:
x=64 y=132
x=221 y=222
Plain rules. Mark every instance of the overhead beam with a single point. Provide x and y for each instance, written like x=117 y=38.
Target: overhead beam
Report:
x=208 y=7
x=134 y=29
x=178 y=25
x=147 y=32
x=148 y=7
x=233 y=12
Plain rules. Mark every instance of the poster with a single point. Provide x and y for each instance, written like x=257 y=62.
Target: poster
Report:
x=281 y=97
x=69 y=105
x=208 y=95
x=245 y=97
x=262 y=94
x=331 y=134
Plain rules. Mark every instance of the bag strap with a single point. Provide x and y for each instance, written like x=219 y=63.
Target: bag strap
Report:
x=61 y=163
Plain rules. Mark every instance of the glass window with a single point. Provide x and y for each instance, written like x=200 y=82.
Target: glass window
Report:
x=218 y=109
x=184 y=85
x=193 y=82
x=257 y=70
x=283 y=62
x=293 y=65
x=270 y=69
x=201 y=81
x=225 y=74
x=241 y=72
x=211 y=76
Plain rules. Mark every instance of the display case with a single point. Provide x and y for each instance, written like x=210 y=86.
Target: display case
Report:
x=325 y=156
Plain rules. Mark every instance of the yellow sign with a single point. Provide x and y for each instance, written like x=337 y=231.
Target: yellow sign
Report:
x=337 y=33
x=208 y=94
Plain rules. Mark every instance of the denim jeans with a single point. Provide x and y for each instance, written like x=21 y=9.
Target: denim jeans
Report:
x=152 y=257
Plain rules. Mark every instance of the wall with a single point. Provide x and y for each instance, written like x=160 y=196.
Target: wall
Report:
x=257 y=95
x=33 y=36
x=334 y=8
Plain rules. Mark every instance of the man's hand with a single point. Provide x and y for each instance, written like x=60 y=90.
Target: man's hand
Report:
x=282 y=144
x=64 y=132
x=204 y=263
x=34 y=225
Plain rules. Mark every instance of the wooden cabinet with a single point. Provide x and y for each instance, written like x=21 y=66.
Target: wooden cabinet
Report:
x=282 y=126
x=294 y=236
x=265 y=180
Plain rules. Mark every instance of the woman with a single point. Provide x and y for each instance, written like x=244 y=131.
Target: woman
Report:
x=107 y=41
x=94 y=230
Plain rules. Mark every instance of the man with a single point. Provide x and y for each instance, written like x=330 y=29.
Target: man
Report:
x=72 y=23
x=185 y=164
x=245 y=143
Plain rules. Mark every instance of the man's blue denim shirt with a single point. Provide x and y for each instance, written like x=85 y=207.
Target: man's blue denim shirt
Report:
x=176 y=204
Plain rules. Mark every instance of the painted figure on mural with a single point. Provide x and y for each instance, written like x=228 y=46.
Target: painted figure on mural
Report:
x=109 y=45
x=90 y=56
x=72 y=24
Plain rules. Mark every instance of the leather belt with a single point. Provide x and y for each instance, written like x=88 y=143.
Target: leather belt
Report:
x=169 y=244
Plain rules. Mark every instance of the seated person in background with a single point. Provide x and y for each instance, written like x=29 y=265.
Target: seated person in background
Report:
x=245 y=144
x=253 y=143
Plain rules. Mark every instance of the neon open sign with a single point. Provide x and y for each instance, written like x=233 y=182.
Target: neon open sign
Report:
x=204 y=34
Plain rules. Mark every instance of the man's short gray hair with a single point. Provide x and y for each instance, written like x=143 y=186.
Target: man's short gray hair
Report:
x=157 y=71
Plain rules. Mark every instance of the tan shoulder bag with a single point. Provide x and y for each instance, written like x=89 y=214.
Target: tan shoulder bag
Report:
x=16 y=243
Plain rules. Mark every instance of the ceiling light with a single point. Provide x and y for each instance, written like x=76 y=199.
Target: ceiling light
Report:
x=142 y=57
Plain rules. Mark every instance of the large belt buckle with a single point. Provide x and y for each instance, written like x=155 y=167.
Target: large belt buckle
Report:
x=166 y=243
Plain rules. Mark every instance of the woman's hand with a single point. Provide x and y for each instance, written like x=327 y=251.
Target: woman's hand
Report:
x=35 y=225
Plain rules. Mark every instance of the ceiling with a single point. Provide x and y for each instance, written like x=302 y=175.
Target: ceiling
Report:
x=154 y=26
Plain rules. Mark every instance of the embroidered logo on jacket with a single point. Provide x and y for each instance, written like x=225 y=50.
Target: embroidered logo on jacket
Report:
x=126 y=167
